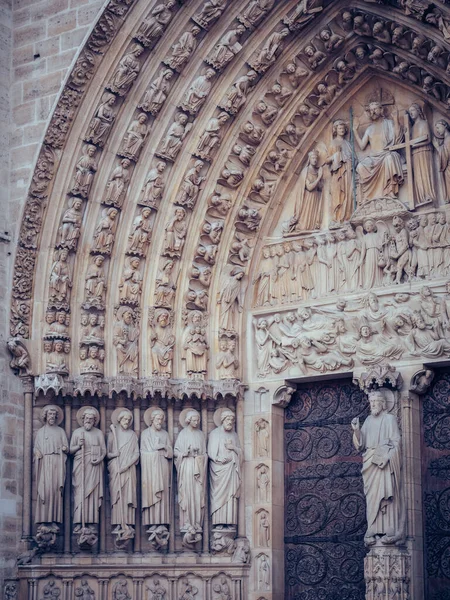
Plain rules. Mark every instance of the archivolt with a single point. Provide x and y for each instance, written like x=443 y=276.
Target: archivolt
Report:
x=230 y=214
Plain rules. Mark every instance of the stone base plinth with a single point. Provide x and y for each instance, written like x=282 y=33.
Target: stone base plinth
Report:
x=387 y=572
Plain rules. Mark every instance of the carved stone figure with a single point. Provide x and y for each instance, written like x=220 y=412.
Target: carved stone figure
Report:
x=263 y=529
x=255 y=11
x=155 y=23
x=162 y=341
x=85 y=170
x=50 y=454
x=156 y=455
x=210 y=138
x=195 y=345
x=126 y=341
x=190 y=591
x=172 y=142
x=262 y=438
x=230 y=300
x=231 y=176
x=105 y=231
x=380 y=173
x=51 y=590
x=141 y=233
x=191 y=460
x=84 y=592
x=70 y=228
x=135 y=137
x=379 y=439
x=304 y=12
x=270 y=50
x=175 y=234
x=308 y=209
x=225 y=464
x=227 y=362
x=120 y=590
x=95 y=286
x=222 y=589
x=226 y=49
x=190 y=188
x=102 y=122
x=88 y=447
x=20 y=360
x=263 y=573
x=210 y=12
x=156 y=590
x=56 y=357
x=154 y=186
x=157 y=93
x=237 y=96
x=424 y=341
x=262 y=484
x=11 y=590
x=183 y=49
x=165 y=284
x=197 y=93
x=123 y=456
x=442 y=145
x=131 y=282
x=60 y=278
x=422 y=159
x=118 y=183
x=127 y=71
x=371 y=274
x=91 y=360
x=340 y=163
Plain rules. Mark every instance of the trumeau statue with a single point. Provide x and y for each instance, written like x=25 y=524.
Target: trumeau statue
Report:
x=88 y=447
x=191 y=461
x=379 y=439
x=123 y=455
x=156 y=455
x=50 y=454
x=225 y=464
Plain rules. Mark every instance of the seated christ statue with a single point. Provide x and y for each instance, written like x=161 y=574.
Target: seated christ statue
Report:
x=380 y=173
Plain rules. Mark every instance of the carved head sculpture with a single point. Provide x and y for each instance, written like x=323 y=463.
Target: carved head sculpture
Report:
x=125 y=418
x=369 y=226
x=415 y=112
x=89 y=418
x=375 y=110
x=313 y=158
x=51 y=414
x=441 y=127
x=340 y=128
x=377 y=402
x=192 y=419
x=227 y=419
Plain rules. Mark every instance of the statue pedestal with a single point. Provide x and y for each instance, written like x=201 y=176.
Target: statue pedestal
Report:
x=387 y=573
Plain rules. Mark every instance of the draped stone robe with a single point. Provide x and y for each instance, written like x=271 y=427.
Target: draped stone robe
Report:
x=380 y=437
x=156 y=452
x=50 y=473
x=225 y=478
x=191 y=477
x=123 y=486
x=94 y=447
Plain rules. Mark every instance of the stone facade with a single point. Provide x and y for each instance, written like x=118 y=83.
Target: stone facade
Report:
x=294 y=159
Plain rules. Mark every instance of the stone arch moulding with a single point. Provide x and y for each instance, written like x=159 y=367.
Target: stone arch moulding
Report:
x=106 y=187
x=171 y=161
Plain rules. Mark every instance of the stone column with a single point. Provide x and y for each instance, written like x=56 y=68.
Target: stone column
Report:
x=172 y=490
x=27 y=383
x=102 y=517
x=137 y=430
x=240 y=432
x=68 y=486
x=205 y=541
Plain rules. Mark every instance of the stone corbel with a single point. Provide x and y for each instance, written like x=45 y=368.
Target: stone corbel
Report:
x=421 y=381
x=51 y=382
x=379 y=376
x=283 y=395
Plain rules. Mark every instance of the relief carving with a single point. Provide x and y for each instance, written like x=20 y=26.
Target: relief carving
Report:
x=262 y=438
x=85 y=171
x=263 y=572
x=195 y=345
x=262 y=482
x=117 y=184
x=210 y=139
x=105 y=231
x=69 y=231
x=255 y=12
x=126 y=340
x=263 y=524
x=175 y=234
x=91 y=360
x=141 y=233
x=102 y=122
x=155 y=23
x=157 y=93
x=239 y=91
x=92 y=329
x=304 y=12
x=165 y=284
x=226 y=49
x=134 y=138
x=268 y=54
x=183 y=49
x=120 y=590
x=197 y=93
x=230 y=298
x=154 y=186
x=60 y=284
x=131 y=282
x=127 y=71
x=84 y=591
x=191 y=186
x=162 y=341
x=174 y=138
x=51 y=590
x=210 y=12
x=227 y=362
x=95 y=286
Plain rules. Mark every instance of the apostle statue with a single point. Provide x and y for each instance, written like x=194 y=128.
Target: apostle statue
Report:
x=225 y=464
x=156 y=469
x=89 y=450
x=50 y=455
x=380 y=172
x=123 y=456
x=379 y=439
x=190 y=460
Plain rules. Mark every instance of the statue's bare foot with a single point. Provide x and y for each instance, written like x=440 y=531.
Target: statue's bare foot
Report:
x=388 y=539
x=370 y=541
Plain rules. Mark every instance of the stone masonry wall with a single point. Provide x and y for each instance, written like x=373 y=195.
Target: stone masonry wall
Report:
x=38 y=42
